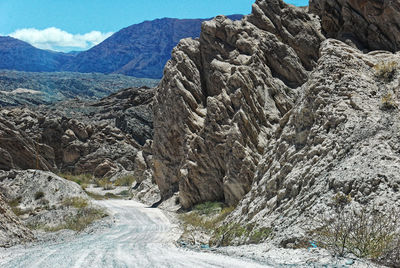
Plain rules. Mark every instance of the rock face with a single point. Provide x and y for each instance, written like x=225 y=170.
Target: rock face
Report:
x=342 y=136
x=368 y=24
x=40 y=196
x=11 y=229
x=100 y=138
x=19 y=150
x=222 y=96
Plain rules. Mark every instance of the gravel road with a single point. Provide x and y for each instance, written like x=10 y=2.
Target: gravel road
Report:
x=141 y=237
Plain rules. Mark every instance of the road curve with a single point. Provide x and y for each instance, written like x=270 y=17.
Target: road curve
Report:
x=140 y=237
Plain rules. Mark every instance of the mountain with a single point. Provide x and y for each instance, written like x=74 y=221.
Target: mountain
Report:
x=140 y=50
x=20 y=88
x=21 y=56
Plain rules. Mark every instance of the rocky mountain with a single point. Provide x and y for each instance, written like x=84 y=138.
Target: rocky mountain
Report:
x=268 y=116
x=32 y=88
x=140 y=50
x=100 y=138
x=21 y=56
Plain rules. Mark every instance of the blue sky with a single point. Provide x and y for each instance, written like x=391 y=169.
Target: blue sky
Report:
x=94 y=20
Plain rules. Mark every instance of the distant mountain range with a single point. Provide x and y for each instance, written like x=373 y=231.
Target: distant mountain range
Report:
x=140 y=50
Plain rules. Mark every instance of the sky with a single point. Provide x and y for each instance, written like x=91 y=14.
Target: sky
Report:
x=66 y=25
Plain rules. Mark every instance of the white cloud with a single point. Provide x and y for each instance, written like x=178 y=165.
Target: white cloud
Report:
x=56 y=39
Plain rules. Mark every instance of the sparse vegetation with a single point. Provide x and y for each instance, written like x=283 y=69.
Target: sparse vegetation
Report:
x=226 y=234
x=76 y=202
x=14 y=205
x=84 y=218
x=85 y=215
x=83 y=179
x=105 y=183
x=103 y=197
x=125 y=181
x=364 y=233
x=208 y=217
x=39 y=195
x=388 y=102
x=208 y=207
x=386 y=70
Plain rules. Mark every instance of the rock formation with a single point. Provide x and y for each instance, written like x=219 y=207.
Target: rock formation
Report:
x=11 y=229
x=368 y=24
x=222 y=96
x=342 y=136
x=101 y=138
x=40 y=197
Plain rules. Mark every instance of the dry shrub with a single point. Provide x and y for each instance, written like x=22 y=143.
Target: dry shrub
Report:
x=386 y=70
x=365 y=233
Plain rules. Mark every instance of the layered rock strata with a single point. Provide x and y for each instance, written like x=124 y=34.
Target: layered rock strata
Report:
x=101 y=138
x=341 y=137
x=222 y=96
x=368 y=24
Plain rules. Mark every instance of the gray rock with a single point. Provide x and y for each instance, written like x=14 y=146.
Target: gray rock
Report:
x=368 y=24
x=78 y=136
x=12 y=230
x=336 y=139
x=222 y=96
x=40 y=196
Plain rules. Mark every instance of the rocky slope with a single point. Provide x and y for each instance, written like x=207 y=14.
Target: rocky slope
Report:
x=222 y=96
x=371 y=25
x=21 y=56
x=40 y=197
x=268 y=116
x=11 y=229
x=340 y=137
x=100 y=138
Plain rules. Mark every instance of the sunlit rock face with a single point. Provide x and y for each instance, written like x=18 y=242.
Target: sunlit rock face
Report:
x=222 y=96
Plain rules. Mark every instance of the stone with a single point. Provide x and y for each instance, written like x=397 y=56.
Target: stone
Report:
x=366 y=24
x=336 y=140
x=12 y=230
x=221 y=99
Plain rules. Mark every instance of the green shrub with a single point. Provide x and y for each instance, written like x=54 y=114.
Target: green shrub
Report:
x=83 y=179
x=76 y=202
x=208 y=207
x=125 y=181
